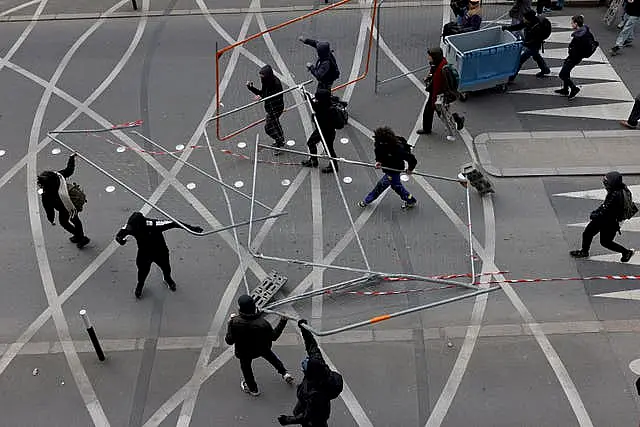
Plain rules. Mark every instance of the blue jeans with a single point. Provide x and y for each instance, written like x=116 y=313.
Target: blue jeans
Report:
x=535 y=54
x=626 y=33
x=390 y=179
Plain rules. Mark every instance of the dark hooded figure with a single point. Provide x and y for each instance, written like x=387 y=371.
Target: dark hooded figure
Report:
x=274 y=106
x=316 y=390
x=325 y=70
x=55 y=197
x=606 y=219
x=321 y=105
x=579 y=48
x=253 y=336
x=152 y=247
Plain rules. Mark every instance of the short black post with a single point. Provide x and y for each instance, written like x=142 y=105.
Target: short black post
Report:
x=91 y=332
x=135 y=4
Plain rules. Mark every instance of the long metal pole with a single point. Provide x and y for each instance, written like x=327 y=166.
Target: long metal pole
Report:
x=375 y=86
x=424 y=67
x=253 y=191
x=471 y=256
x=162 y=211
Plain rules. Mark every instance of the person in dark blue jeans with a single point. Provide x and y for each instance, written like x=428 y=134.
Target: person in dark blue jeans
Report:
x=391 y=154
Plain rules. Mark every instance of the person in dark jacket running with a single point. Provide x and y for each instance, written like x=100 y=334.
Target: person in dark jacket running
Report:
x=581 y=39
x=391 y=154
x=55 y=197
x=321 y=105
x=606 y=220
x=253 y=336
x=634 y=116
x=313 y=407
x=152 y=247
x=325 y=70
x=532 y=43
x=274 y=107
x=631 y=18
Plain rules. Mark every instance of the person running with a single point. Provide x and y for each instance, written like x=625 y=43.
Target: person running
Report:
x=253 y=336
x=580 y=47
x=536 y=30
x=321 y=105
x=56 y=197
x=273 y=106
x=152 y=248
x=634 y=116
x=325 y=70
x=606 y=219
x=391 y=154
x=631 y=18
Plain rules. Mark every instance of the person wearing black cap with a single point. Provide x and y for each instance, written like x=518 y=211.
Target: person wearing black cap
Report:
x=253 y=336
x=274 y=106
x=606 y=219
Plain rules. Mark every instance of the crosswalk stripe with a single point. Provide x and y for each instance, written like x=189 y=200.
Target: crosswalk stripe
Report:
x=609 y=90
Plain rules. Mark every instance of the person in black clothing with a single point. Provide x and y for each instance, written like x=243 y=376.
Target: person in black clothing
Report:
x=321 y=105
x=581 y=38
x=391 y=154
x=274 y=107
x=325 y=70
x=634 y=116
x=252 y=336
x=313 y=407
x=606 y=220
x=55 y=197
x=152 y=247
x=532 y=43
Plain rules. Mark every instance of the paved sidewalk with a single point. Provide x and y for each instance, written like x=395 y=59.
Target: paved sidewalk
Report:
x=516 y=154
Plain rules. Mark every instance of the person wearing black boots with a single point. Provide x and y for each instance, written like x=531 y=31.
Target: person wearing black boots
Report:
x=273 y=107
x=55 y=197
x=321 y=105
x=152 y=248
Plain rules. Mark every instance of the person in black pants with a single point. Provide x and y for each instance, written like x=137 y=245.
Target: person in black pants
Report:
x=632 y=121
x=253 y=336
x=606 y=220
x=55 y=197
x=321 y=105
x=532 y=43
x=579 y=48
x=152 y=248
x=274 y=107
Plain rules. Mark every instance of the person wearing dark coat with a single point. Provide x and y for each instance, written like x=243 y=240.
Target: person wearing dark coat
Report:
x=325 y=70
x=581 y=39
x=152 y=248
x=313 y=407
x=55 y=197
x=273 y=107
x=321 y=105
x=634 y=116
x=253 y=336
x=391 y=155
x=606 y=219
x=532 y=43
x=470 y=21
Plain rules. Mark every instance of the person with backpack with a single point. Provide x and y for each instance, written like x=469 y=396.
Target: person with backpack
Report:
x=318 y=388
x=536 y=30
x=470 y=21
x=67 y=199
x=436 y=84
x=324 y=114
x=632 y=16
x=634 y=116
x=516 y=13
x=325 y=70
x=252 y=335
x=273 y=107
x=582 y=46
x=617 y=206
x=152 y=248
x=391 y=152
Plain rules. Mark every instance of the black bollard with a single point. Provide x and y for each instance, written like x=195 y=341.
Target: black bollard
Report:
x=92 y=333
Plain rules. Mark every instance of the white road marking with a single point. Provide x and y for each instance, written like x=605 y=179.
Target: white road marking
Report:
x=19 y=7
x=618 y=111
x=598 y=194
x=633 y=294
x=632 y=225
x=615 y=91
x=561 y=53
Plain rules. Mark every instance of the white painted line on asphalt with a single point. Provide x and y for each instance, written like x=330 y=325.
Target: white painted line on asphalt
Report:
x=635 y=366
x=365 y=22
x=599 y=193
x=614 y=91
x=19 y=7
x=633 y=294
x=25 y=33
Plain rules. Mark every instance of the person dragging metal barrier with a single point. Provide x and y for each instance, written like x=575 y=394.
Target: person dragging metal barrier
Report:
x=582 y=46
x=273 y=107
x=253 y=336
x=326 y=117
x=318 y=388
x=391 y=153
x=152 y=248
x=67 y=199
x=617 y=206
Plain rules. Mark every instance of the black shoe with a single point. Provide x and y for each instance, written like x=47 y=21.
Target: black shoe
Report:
x=74 y=239
x=82 y=242
x=564 y=91
x=627 y=255
x=614 y=50
x=171 y=284
x=423 y=132
x=574 y=92
x=138 y=292
x=310 y=163
x=627 y=43
x=328 y=169
x=579 y=253
x=543 y=74
x=459 y=120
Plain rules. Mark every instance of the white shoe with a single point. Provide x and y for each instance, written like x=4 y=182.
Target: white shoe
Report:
x=245 y=388
x=288 y=378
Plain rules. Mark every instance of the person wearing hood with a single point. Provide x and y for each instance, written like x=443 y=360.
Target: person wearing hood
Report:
x=319 y=386
x=273 y=106
x=152 y=248
x=55 y=197
x=606 y=219
x=325 y=70
x=579 y=48
x=321 y=104
x=253 y=336
x=534 y=36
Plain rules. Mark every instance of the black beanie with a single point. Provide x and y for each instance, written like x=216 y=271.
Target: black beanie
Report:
x=246 y=304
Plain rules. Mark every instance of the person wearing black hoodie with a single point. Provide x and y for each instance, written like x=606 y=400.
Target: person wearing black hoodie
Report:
x=253 y=336
x=606 y=219
x=534 y=36
x=579 y=48
x=321 y=105
x=325 y=70
x=391 y=154
x=55 y=197
x=152 y=248
x=274 y=106
x=316 y=390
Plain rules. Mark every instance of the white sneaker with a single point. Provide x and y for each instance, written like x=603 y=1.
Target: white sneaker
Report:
x=245 y=388
x=288 y=378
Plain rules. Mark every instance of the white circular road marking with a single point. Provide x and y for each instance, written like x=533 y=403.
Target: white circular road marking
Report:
x=404 y=177
x=238 y=184
x=635 y=366
x=180 y=147
x=347 y=180
x=242 y=144
x=2 y=153
x=110 y=189
x=291 y=143
x=121 y=149
x=285 y=182
x=191 y=186
x=55 y=151
x=344 y=140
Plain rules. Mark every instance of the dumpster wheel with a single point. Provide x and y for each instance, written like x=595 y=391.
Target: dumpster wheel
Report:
x=464 y=96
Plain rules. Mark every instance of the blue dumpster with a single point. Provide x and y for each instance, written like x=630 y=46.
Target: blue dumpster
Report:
x=484 y=59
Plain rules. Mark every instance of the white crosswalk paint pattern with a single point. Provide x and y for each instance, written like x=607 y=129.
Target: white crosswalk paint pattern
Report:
x=595 y=68
x=633 y=294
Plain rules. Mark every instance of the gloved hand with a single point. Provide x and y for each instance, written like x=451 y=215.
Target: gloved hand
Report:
x=309 y=65
x=284 y=420
x=504 y=27
x=121 y=241
x=302 y=322
x=249 y=84
x=53 y=223
x=301 y=39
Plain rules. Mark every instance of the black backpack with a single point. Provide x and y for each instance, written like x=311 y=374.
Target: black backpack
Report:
x=590 y=45
x=629 y=209
x=339 y=115
x=77 y=196
x=545 y=28
x=334 y=67
x=334 y=385
x=404 y=144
